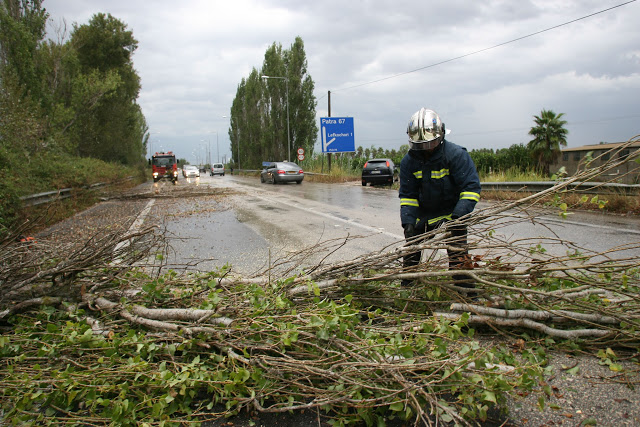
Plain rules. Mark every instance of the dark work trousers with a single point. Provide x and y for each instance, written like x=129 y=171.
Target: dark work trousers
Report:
x=458 y=259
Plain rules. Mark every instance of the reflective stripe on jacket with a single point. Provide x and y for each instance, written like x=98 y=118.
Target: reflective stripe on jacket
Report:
x=444 y=186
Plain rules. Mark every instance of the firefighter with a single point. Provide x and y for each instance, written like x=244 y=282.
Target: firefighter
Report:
x=438 y=183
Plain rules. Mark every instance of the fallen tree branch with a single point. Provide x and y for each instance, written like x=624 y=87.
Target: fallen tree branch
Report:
x=571 y=334
x=535 y=314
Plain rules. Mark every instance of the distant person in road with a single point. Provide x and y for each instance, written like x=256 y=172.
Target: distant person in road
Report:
x=438 y=183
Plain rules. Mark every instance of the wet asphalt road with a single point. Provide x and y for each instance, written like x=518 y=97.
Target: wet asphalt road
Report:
x=262 y=224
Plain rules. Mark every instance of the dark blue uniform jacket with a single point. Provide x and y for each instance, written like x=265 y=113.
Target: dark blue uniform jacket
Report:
x=445 y=186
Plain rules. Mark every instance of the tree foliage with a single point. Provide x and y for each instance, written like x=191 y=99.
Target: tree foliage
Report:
x=259 y=118
x=76 y=97
x=111 y=127
x=517 y=157
x=22 y=27
x=549 y=134
x=72 y=97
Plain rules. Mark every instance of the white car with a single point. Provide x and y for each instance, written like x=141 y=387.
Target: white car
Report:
x=190 y=171
x=217 y=169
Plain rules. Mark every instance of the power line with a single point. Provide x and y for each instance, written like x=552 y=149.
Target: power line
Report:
x=484 y=49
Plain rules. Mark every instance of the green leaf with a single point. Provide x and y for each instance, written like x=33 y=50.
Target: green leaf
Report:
x=616 y=367
x=323 y=334
x=316 y=321
x=397 y=406
x=489 y=396
x=157 y=409
x=573 y=371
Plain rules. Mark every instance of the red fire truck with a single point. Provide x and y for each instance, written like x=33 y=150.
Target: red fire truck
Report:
x=164 y=165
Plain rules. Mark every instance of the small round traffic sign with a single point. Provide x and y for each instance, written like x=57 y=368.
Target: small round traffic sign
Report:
x=301 y=151
x=300 y=157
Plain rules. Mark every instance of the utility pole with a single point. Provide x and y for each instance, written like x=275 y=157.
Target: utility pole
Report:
x=329 y=154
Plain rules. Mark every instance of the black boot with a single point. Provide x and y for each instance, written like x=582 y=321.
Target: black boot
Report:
x=411 y=260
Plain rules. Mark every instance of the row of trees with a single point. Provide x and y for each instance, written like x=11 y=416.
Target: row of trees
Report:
x=518 y=157
x=76 y=96
x=272 y=116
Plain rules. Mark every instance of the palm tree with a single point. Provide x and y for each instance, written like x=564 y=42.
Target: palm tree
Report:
x=548 y=135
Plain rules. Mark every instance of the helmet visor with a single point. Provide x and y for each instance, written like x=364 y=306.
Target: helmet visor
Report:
x=425 y=145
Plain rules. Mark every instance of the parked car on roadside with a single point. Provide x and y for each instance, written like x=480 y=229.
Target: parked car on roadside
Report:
x=281 y=172
x=217 y=169
x=190 y=171
x=378 y=172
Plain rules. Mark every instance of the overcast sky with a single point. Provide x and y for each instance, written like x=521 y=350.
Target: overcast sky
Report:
x=384 y=59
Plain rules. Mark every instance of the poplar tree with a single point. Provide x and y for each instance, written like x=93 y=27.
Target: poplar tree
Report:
x=258 y=122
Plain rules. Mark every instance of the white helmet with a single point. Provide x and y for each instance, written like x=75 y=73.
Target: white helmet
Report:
x=426 y=131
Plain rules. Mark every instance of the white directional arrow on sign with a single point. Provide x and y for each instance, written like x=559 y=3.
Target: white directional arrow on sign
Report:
x=325 y=143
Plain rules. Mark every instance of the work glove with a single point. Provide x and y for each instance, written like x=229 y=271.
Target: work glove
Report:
x=409 y=230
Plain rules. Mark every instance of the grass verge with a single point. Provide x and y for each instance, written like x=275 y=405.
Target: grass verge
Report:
x=54 y=172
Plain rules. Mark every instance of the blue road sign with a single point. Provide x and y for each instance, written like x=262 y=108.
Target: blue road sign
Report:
x=337 y=135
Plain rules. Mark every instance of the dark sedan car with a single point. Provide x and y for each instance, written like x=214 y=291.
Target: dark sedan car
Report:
x=378 y=171
x=275 y=172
